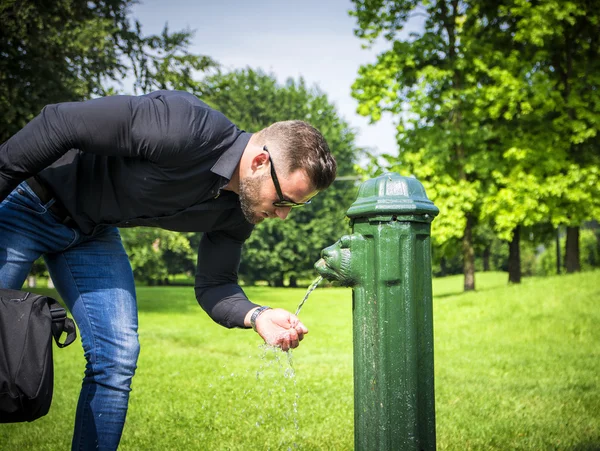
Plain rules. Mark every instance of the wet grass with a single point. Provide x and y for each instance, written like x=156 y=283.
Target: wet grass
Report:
x=516 y=368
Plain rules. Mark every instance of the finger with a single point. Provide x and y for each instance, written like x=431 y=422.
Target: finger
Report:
x=301 y=333
x=295 y=343
x=283 y=341
x=301 y=328
x=291 y=339
x=292 y=334
x=294 y=338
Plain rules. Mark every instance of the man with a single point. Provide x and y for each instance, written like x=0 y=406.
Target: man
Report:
x=80 y=170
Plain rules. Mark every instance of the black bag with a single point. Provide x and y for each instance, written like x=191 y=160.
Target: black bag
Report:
x=27 y=324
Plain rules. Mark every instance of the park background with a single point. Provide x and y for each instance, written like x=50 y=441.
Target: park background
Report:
x=492 y=105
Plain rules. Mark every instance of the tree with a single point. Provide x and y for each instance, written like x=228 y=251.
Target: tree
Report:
x=147 y=248
x=496 y=104
x=568 y=53
x=253 y=100
x=423 y=80
x=68 y=50
x=544 y=65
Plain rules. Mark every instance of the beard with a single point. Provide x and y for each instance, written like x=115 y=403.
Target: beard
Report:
x=250 y=198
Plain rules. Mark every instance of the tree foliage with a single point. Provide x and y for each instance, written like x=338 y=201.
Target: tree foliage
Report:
x=497 y=105
x=422 y=79
x=543 y=94
x=155 y=254
x=66 y=50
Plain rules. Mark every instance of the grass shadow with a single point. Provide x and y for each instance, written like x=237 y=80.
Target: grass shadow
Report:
x=462 y=292
x=167 y=299
x=588 y=446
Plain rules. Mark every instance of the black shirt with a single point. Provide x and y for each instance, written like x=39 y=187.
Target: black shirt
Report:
x=156 y=160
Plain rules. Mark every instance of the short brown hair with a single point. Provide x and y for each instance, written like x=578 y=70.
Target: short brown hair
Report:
x=299 y=145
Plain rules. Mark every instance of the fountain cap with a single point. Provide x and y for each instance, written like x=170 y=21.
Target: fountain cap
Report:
x=394 y=194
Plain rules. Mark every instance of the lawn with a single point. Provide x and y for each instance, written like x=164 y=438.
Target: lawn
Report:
x=517 y=367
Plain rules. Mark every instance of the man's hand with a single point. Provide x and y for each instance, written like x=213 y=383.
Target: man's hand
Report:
x=280 y=328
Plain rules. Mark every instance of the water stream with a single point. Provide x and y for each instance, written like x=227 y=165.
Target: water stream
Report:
x=277 y=387
x=311 y=288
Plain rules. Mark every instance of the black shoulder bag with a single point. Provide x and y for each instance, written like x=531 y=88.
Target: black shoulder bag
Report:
x=27 y=324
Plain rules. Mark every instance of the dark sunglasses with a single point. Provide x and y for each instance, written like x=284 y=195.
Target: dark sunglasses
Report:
x=282 y=202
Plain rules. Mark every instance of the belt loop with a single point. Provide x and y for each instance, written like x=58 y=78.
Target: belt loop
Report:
x=45 y=194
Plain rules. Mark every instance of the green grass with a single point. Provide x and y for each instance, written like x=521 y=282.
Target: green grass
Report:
x=517 y=367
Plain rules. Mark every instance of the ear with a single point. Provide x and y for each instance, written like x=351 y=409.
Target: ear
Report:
x=259 y=161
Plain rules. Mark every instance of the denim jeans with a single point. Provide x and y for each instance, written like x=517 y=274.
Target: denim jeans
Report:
x=93 y=276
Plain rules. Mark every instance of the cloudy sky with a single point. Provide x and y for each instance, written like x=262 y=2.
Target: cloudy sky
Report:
x=308 y=38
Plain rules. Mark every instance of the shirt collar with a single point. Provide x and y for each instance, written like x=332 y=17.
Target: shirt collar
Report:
x=228 y=161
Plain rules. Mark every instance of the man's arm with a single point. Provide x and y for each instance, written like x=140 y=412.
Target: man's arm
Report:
x=216 y=286
x=219 y=294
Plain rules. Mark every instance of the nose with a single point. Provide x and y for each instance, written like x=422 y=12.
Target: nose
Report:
x=282 y=212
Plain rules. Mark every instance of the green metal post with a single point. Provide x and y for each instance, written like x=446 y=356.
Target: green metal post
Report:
x=387 y=261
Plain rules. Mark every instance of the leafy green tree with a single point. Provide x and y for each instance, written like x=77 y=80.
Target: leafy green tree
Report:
x=155 y=253
x=423 y=80
x=69 y=50
x=496 y=109
x=542 y=59
x=279 y=250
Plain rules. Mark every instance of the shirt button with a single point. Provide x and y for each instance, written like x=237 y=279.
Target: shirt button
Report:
x=20 y=191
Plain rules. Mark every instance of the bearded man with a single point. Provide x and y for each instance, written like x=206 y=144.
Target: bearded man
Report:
x=81 y=170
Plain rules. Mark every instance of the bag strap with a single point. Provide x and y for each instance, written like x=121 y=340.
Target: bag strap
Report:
x=60 y=324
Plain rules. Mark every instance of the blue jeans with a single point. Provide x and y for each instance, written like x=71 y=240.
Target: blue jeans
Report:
x=93 y=276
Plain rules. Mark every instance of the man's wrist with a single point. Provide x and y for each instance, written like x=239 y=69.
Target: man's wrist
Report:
x=256 y=313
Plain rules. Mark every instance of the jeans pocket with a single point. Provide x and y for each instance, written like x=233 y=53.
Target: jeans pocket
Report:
x=24 y=199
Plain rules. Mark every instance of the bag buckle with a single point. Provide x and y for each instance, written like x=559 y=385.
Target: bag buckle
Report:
x=58 y=314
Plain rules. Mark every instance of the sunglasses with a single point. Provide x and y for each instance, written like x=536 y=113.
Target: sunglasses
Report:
x=282 y=202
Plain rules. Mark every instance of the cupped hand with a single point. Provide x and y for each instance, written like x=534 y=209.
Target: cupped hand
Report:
x=280 y=328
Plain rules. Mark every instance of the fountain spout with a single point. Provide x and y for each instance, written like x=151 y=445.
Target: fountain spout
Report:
x=337 y=264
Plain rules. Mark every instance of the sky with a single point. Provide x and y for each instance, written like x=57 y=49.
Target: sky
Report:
x=309 y=38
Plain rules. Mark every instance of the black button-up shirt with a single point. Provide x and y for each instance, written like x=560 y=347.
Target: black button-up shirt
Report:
x=157 y=160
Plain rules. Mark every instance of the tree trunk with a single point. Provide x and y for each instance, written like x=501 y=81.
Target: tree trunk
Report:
x=558 y=250
x=278 y=282
x=514 y=257
x=486 y=257
x=468 y=255
x=572 y=250
x=293 y=282
x=443 y=269
x=597 y=233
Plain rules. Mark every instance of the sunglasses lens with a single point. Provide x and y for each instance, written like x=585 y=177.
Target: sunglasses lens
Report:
x=286 y=204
